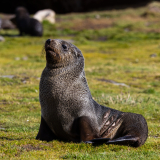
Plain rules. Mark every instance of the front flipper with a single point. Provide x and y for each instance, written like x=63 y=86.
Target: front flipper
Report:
x=125 y=140
x=86 y=129
x=45 y=133
x=88 y=133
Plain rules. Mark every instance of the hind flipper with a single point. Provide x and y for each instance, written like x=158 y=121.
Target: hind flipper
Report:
x=45 y=133
x=125 y=140
x=87 y=131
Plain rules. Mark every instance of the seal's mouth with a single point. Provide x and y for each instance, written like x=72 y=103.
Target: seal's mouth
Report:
x=52 y=47
x=49 y=49
x=53 y=53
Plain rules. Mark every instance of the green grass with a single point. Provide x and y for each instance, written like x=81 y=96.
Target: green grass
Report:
x=123 y=56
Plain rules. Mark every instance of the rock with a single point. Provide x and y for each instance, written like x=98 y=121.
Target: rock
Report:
x=1 y=39
x=97 y=16
x=7 y=24
x=25 y=58
x=46 y=14
x=8 y=76
x=153 y=9
x=17 y=58
x=113 y=82
x=153 y=55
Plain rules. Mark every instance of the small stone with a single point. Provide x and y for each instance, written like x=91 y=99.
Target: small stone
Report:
x=1 y=38
x=136 y=60
x=17 y=58
x=24 y=82
x=126 y=30
x=153 y=55
x=97 y=16
x=2 y=128
x=8 y=76
x=25 y=58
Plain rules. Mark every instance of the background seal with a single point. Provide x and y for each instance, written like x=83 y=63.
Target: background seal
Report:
x=26 y=24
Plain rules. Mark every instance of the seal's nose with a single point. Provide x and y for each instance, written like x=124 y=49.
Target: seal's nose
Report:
x=48 y=41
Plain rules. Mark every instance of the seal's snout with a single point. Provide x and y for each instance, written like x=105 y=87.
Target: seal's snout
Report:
x=48 y=41
x=49 y=45
x=52 y=51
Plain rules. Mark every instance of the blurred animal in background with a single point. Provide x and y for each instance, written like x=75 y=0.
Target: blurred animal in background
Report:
x=27 y=25
x=46 y=14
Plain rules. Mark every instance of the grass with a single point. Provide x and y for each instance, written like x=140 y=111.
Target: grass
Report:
x=122 y=53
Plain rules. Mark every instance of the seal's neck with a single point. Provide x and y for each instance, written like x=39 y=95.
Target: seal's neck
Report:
x=73 y=69
x=64 y=71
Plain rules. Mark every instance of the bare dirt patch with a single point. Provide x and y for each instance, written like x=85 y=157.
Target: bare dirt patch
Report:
x=89 y=23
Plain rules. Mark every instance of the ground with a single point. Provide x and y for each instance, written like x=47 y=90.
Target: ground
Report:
x=122 y=65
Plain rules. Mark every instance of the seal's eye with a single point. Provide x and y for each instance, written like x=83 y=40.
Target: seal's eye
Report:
x=64 y=47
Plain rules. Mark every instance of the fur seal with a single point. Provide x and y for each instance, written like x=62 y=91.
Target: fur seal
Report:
x=68 y=111
x=26 y=24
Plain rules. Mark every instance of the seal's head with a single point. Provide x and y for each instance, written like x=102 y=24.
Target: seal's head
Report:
x=21 y=12
x=60 y=53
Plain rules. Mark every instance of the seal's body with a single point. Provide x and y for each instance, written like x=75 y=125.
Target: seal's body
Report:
x=26 y=24
x=68 y=111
